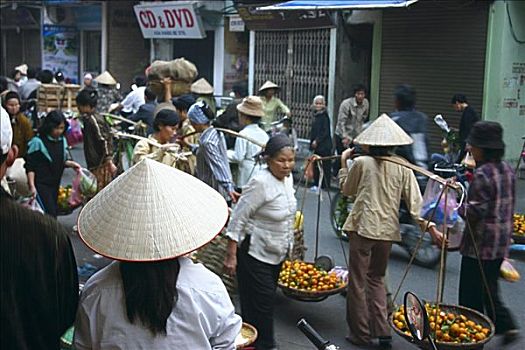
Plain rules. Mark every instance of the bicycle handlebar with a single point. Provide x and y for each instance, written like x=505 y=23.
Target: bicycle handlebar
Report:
x=316 y=339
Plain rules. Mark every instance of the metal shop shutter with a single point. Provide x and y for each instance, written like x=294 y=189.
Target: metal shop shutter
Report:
x=438 y=47
x=297 y=61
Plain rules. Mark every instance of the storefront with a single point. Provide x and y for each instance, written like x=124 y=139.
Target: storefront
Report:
x=200 y=32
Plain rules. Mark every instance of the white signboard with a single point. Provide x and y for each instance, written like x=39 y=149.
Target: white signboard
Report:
x=169 y=20
x=236 y=24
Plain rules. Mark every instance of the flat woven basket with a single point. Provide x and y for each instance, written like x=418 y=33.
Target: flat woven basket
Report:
x=212 y=256
x=249 y=334
x=460 y=310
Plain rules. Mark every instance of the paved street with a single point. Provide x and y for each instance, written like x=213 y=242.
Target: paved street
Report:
x=328 y=316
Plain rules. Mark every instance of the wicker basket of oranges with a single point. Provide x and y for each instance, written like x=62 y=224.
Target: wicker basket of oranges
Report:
x=452 y=327
x=306 y=282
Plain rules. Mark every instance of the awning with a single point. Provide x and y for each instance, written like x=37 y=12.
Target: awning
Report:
x=336 y=4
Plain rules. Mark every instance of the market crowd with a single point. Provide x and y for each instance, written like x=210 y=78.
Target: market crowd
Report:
x=153 y=295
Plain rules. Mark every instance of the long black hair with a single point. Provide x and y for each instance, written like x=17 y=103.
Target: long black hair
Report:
x=52 y=120
x=150 y=291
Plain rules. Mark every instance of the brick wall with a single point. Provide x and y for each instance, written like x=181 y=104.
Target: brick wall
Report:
x=128 y=51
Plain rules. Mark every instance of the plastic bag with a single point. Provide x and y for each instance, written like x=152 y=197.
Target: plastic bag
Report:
x=437 y=212
x=74 y=134
x=84 y=184
x=76 y=198
x=508 y=271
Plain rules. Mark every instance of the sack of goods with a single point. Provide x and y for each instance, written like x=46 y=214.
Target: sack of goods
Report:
x=181 y=71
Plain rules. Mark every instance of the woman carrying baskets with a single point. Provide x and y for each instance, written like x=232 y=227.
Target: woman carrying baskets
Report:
x=373 y=224
x=261 y=236
x=153 y=296
x=488 y=214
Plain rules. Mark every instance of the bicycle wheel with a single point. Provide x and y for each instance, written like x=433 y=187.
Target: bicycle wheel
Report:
x=339 y=209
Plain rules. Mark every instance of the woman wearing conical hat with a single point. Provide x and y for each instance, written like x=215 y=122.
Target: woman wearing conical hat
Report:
x=152 y=296
x=373 y=224
x=272 y=105
x=107 y=92
x=203 y=91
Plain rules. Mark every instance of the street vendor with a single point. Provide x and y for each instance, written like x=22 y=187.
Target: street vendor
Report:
x=98 y=141
x=272 y=105
x=153 y=296
x=261 y=236
x=186 y=131
x=373 y=225
x=165 y=125
x=203 y=91
x=22 y=130
x=489 y=217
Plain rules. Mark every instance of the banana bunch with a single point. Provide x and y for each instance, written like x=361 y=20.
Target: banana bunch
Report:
x=299 y=221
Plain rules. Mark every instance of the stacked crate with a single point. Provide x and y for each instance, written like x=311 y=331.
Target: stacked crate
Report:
x=56 y=96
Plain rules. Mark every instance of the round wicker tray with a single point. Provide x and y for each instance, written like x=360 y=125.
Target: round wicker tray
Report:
x=461 y=310
x=247 y=336
x=303 y=295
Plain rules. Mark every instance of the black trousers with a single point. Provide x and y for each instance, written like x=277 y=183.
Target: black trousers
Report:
x=473 y=294
x=49 y=196
x=257 y=282
x=327 y=169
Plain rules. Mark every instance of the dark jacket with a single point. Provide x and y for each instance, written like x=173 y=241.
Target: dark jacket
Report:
x=468 y=119
x=98 y=145
x=414 y=123
x=320 y=133
x=39 y=282
x=145 y=115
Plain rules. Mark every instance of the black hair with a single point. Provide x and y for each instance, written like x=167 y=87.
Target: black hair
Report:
x=381 y=151
x=458 y=98
x=140 y=80
x=240 y=89
x=405 y=96
x=493 y=155
x=3 y=84
x=59 y=76
x=276 y=143
x=150 y=292
x=14 y=73
x=52 y=120
x=31 y=73
x=359 y=87
x=10 y=95
x=45 y=76
x=166 y=117
x=149 y=95
x=183 y=102
x=87 y=97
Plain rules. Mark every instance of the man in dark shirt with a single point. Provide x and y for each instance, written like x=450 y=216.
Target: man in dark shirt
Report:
x=468 y=119
x=38 y=272
x=146 y=111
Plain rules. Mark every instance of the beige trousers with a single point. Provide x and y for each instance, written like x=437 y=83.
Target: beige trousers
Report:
x=366 y=299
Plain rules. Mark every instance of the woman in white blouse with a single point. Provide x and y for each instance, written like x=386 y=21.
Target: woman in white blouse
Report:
x=261 y=235
x=250 y=113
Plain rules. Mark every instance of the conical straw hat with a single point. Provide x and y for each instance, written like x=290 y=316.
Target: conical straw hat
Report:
x=268 y=85
x=152 y=212
x=202 y=87
x=106 y=78
x=383 y=132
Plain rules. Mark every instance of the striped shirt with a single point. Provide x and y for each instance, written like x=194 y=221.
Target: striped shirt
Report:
x=489 y=211
x=212 y=161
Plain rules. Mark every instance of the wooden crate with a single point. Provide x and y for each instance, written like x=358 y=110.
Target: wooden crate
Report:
x=55 y=96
